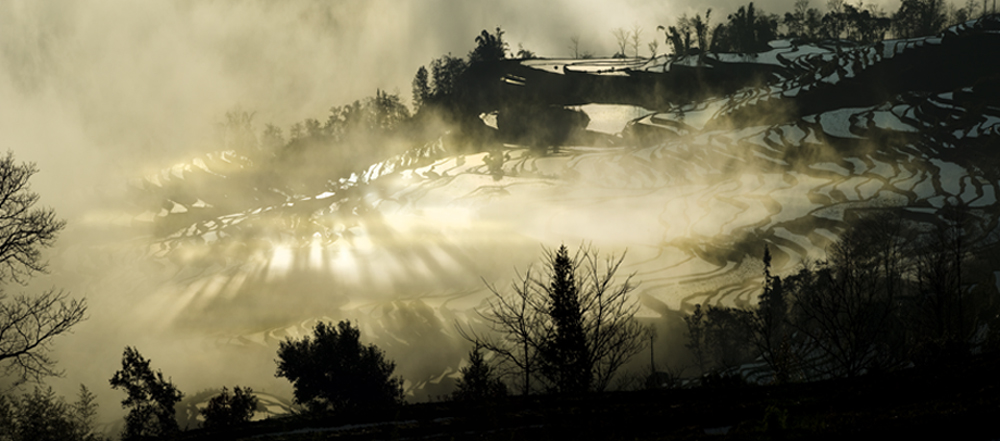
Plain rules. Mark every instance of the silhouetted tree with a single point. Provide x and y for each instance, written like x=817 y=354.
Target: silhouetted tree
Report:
x=24 y=229
x=518 y=319
x=946 y=316
x=634 y=38
x=479 y=380
x=769 y=328
x=918 y=18
x=489 y=48
x=727 y=336
x=28 y=323
x=868 y=26
x=847 y=309
x=621 y=38
x=225 y=410
x=334 y=370
x=966 y=13
x=697 y=342
x=679 y=37
x=564 y=353
x=27 y=326
x=703 y=31
x=421 y=89
x=387 y=111
x=803 y=22
x=524 y=54
x=574 y=46
x=375 y=115
x=747 y=32
x=272 y=138
x=150 y=399
x=537 y=324
x=445 y=72
x=238 y=132
x=43 y=416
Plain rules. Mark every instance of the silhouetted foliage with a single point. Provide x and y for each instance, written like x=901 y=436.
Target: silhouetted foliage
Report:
x=864 y=26
x=421 y=88
x=539 y=325
x=272 y=138
x=479 y=380
x=919 y=18
x=43 y=416
x=333 y=370
x=804 y=22
x=225 y=410
x=524 y=54
x=445 y=74
x=889 y=295
x=564 y=354
x=727 y=334
x=956 y=297
x=238 y=134
x=379 y=114
x=697 y=342
x=489 y=48
x=848 y=310
x=150 y=398
x=769 y=330
x=747 y=32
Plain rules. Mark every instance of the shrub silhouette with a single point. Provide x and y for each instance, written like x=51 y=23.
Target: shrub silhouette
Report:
x=229 y=410
x=479 y=381
x=332 y=370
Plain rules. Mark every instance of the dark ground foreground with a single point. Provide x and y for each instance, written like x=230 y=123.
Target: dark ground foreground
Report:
x=960 y=401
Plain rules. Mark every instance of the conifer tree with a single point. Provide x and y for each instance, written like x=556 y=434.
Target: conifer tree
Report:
x=479 y=380
x=421 y=88
x=567 y=353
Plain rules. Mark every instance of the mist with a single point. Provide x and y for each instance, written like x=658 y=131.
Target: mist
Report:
x=101 y=94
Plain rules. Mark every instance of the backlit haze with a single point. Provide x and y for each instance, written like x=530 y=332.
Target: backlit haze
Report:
x=106 y=95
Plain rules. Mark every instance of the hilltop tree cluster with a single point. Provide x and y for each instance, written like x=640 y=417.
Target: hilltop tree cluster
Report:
x=749 y=29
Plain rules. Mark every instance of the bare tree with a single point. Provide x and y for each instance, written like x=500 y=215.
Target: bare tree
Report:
x=946 y=320
x=621 y=37
x=28 y=323
x=525 y=325
x=847 y=309
x=27 y=327
x=634 y=38
x=23 y=229
x=574 y=46
x=516 y=322
x=653 y=47
x=614 y=335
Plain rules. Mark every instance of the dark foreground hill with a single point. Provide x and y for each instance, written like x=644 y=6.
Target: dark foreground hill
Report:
x=958 y=401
